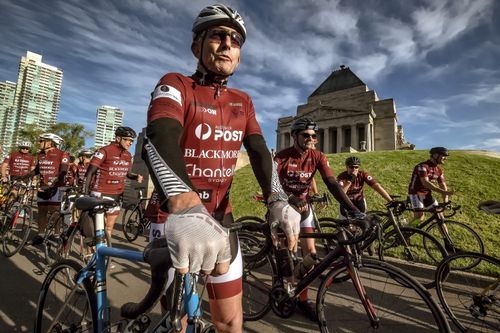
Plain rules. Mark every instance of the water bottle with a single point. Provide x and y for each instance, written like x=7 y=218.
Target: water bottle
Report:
x=305 y=265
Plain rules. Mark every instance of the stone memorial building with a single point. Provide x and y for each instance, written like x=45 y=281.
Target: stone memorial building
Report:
x=350 y=116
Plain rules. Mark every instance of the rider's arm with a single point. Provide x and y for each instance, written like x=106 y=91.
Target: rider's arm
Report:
x=345 y=184
x=165 y=161
x=380 y=190
x=4 y=170
x=429 y=185
x=444 y=187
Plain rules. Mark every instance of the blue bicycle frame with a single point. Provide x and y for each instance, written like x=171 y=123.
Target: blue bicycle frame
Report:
x=190 y=296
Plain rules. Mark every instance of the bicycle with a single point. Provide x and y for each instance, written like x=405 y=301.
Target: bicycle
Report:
x=133 y=219
x=73 y=298
x=16 y=219
x=388 y=297
x=471 y=299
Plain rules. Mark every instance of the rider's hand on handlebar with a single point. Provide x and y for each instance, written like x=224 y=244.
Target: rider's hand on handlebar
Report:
x=283 y=215
x=298 y=203
x=196 y=241
x=391 y=204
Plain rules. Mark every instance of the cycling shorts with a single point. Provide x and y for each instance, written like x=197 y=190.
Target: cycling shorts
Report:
x=419 y=201
x=306 y=219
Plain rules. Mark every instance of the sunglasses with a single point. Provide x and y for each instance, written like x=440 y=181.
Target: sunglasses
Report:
x=354 y=166
x=307 y=135
x=128 y=139
x=219 y=35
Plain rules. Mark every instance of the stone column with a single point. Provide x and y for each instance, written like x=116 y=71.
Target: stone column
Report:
x=326 y=140
x=354 y=137
x=339 y=139
x=368 y=137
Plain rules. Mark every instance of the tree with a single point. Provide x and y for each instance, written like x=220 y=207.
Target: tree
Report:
x=73 y=135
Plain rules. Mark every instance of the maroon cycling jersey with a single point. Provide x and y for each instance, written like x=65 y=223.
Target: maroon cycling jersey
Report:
x=113 y=164
x=82 y=170
x=71 y=175
x=19 y=163
x=215 y=119
x=355 y=191
x=296 y=170
x=50 y=164
x=425 y=169
x=153 y=211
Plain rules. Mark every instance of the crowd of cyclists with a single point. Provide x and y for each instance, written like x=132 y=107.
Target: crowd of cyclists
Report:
x=196 y=126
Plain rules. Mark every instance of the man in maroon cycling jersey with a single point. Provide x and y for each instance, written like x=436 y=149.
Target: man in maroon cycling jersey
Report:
x=84 y=157
x=52 y=167
x=196 y=126
x=19 y=164
x=156 y=216
x=423 y=182
x=296 y=167
x=72 y=174
x=107 y=171
x=352 y=181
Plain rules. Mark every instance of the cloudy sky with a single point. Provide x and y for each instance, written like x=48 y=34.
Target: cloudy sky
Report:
x=438 y=59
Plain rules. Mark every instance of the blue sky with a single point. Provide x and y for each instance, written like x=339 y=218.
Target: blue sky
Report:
x=438 y=59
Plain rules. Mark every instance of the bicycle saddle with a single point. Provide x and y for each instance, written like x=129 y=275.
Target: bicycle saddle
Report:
x=89 y=203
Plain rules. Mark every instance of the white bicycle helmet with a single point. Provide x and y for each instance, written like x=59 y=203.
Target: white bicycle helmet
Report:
x=219 y=15
x=53 y=137
x=25 y=144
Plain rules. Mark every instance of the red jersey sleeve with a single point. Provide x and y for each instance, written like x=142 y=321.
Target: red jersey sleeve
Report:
x=253 y=126
x=324 y=167
x=368 y=179
x=168 y=99
x=98 y=157
x=422 y=170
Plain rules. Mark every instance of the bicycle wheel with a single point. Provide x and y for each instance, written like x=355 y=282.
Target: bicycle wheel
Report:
x=53 y=242
x=324 y=246
x=471 y=299
x=400 y=303
x=16 y=229
x=258 y=278
x=81 y=249
x=463 y=239
x=131 y=222
x=419 y=258
x=64 y=306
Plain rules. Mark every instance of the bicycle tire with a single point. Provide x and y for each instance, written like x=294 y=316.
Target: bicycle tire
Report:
x=258 y=279
x=324 y=246
x=132 y=222
x=60 y=293
x=423 y=254
x=78 y=248
x=458 y=292
x=401 y=302
x=17 y=230
x=463 y=237
x=250 y=219
x=255 y=253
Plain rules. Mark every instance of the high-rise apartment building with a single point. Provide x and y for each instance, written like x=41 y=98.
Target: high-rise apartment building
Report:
x=108 y=119
x=36 y=98
x=7 y=93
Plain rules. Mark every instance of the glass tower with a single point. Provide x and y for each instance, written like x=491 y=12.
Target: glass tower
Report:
x=108 y=119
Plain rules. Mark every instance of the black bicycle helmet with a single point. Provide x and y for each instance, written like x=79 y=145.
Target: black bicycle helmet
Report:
x=439 y=150
x=219 y=15
x=85 y=152
x=352 y=160
x=303 y=124
x=125 y=132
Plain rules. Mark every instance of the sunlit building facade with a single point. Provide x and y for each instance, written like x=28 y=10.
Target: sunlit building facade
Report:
x=108 y=119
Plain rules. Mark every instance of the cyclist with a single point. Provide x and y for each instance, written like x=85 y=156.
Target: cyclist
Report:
x=19 y=164
x=296 y=167
x=196 y=126
x=423 y=182
x=52 y=167
x=84 y=157
x=352 y=181
x=72 y=174
x=109 y=167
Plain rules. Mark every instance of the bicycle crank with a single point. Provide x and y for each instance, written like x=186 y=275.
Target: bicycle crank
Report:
x=281 y=302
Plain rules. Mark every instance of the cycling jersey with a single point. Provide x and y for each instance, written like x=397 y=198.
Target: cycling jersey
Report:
x=71 y=175
x=296 y=170
x=82 y=170
x=19 y=163
x=153 y=212
x=216 y=119
x=113 y=164
x=50 y=164
x=425 y=169
x=355 y=191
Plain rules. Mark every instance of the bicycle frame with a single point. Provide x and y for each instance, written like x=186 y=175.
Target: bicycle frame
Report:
x=190 y=295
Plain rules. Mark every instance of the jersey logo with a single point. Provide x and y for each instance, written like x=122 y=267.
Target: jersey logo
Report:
x=166 y=91
x=99 y=155
x=203 y=131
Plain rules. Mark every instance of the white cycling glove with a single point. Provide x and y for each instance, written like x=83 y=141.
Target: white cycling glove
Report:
x=284 y=216
x=196 y=240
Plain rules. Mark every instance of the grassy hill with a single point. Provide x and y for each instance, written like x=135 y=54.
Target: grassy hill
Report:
x=472 y=177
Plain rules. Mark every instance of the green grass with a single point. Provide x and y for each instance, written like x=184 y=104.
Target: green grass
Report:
x=473 y=178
